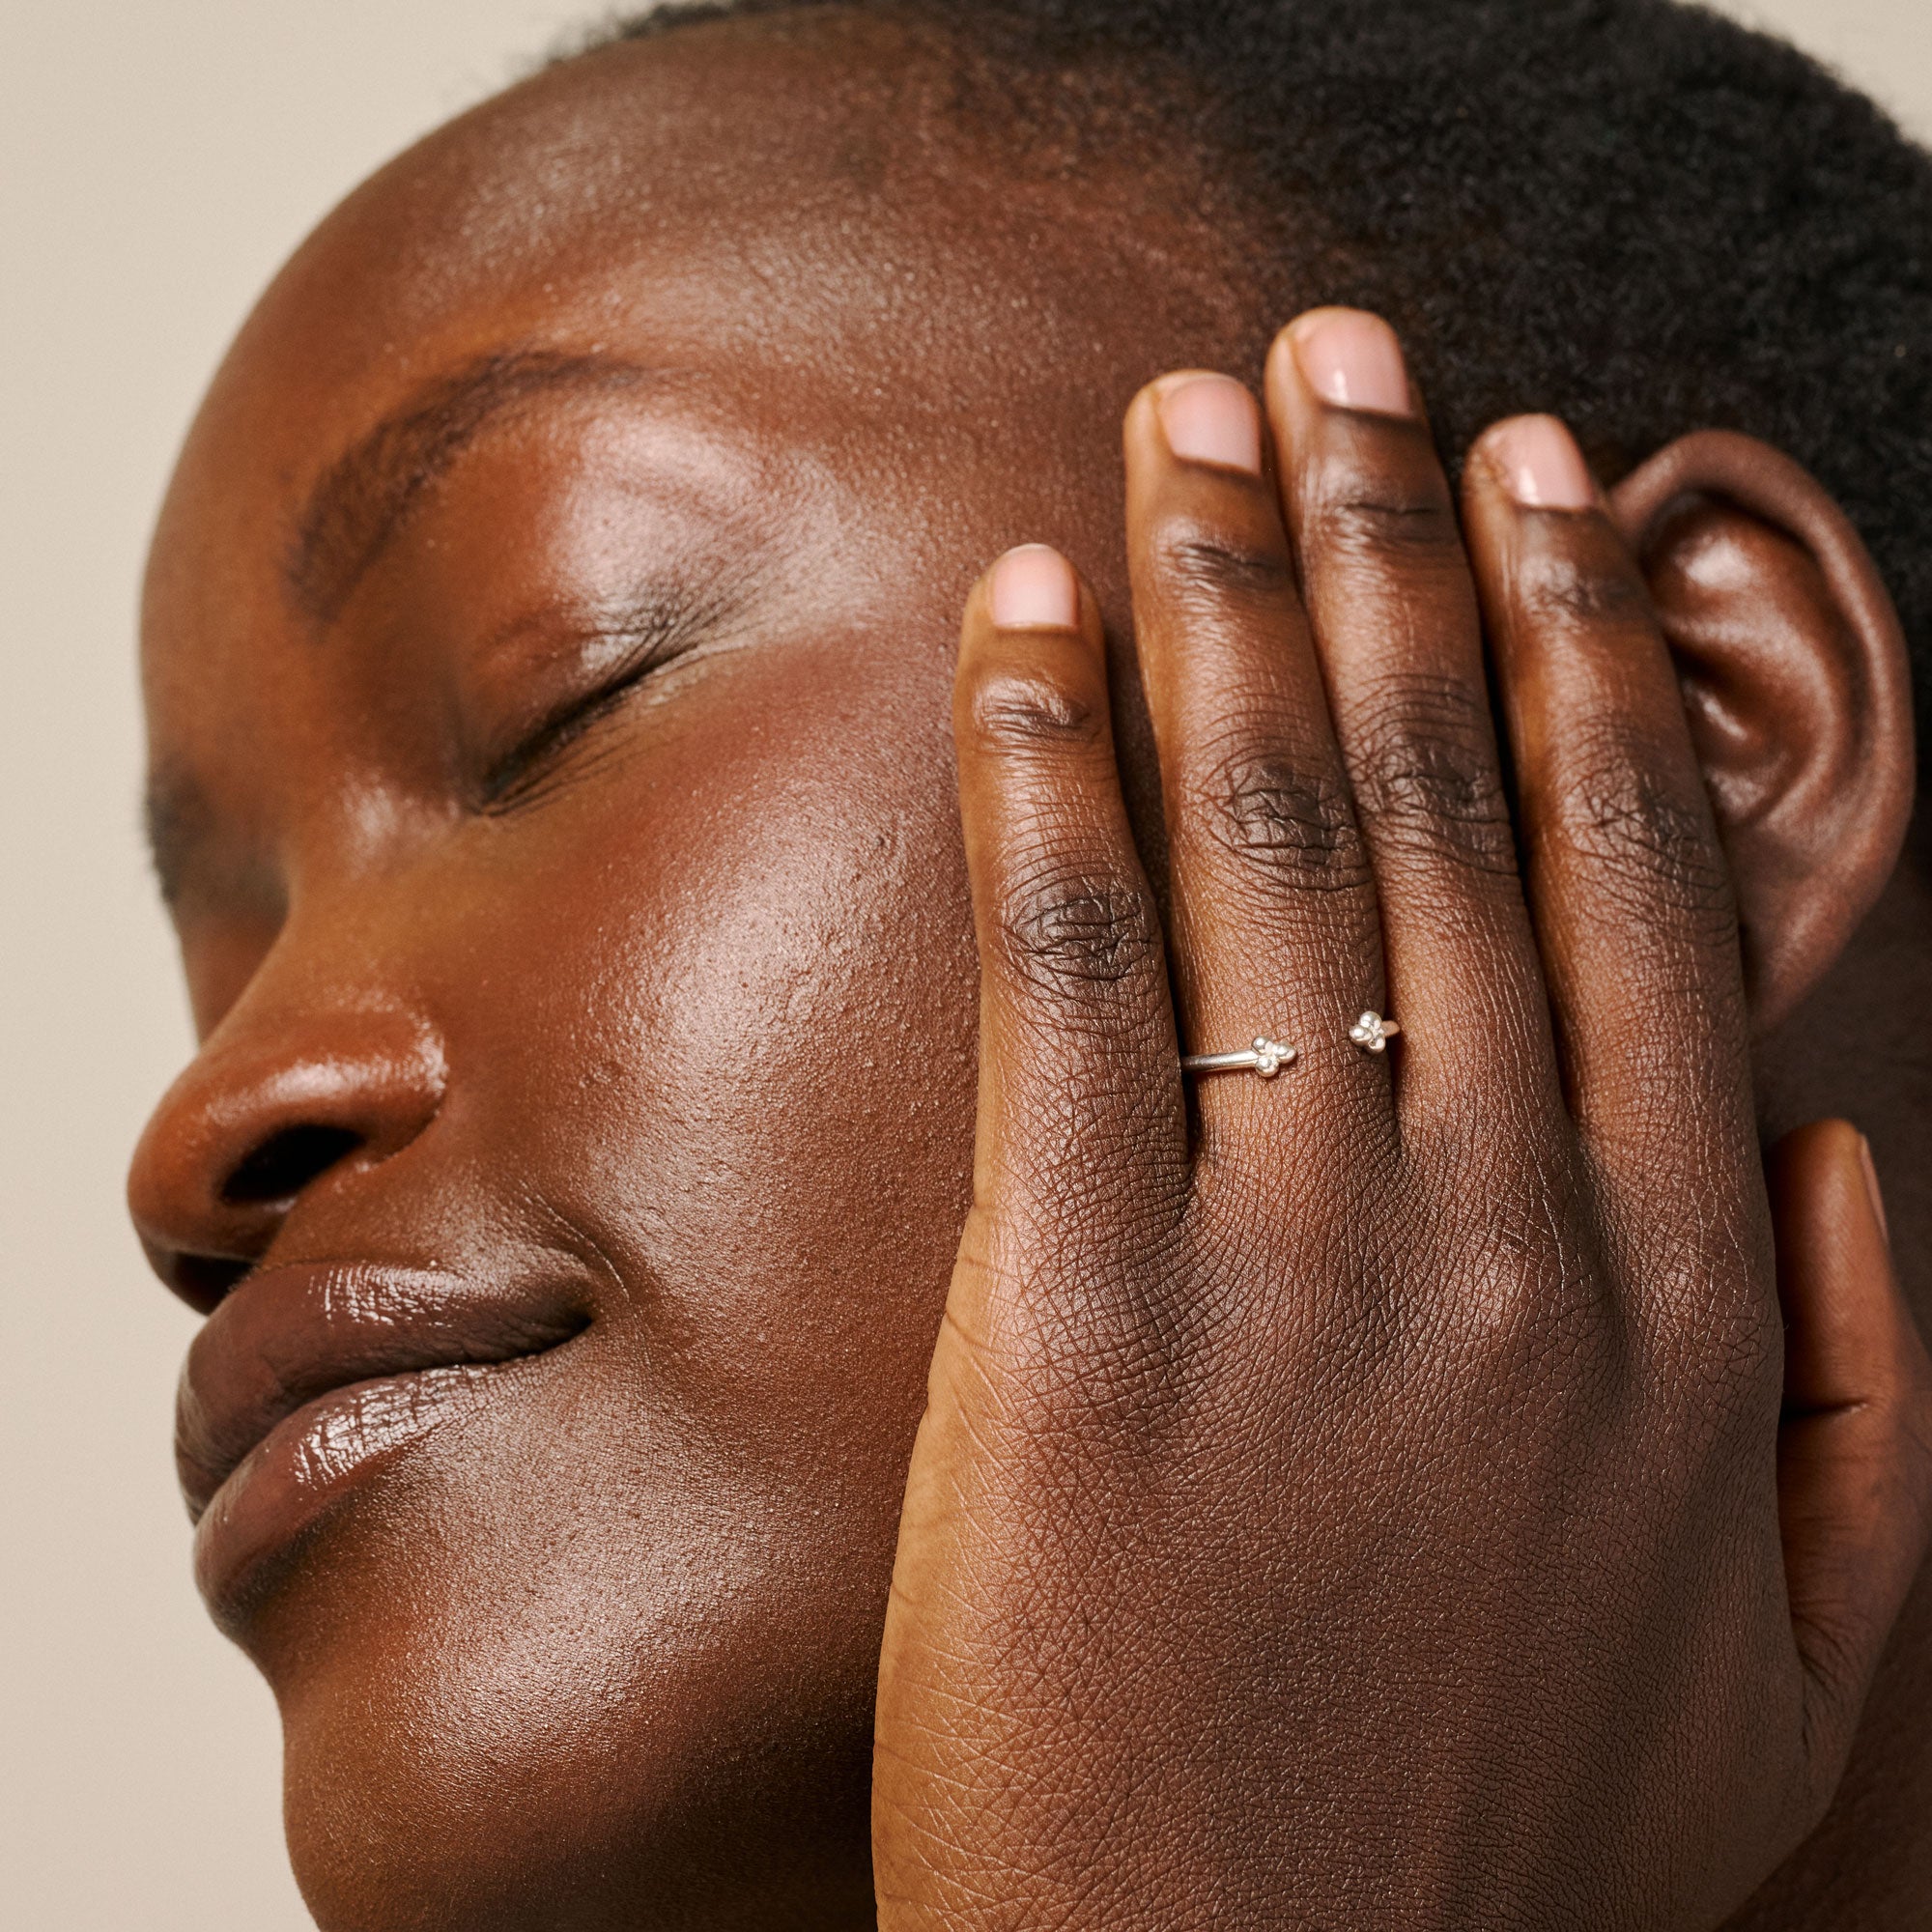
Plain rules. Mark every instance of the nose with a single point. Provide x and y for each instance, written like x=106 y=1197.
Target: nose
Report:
x=279 y=1103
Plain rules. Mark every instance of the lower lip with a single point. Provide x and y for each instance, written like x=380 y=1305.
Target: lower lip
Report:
x=312 y=1459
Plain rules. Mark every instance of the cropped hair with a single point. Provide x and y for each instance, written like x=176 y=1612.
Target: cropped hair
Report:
x=1634 y=213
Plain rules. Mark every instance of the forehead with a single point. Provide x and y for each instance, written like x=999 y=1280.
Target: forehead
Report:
x=807 y=216
x=806 y=224
x=817 y=201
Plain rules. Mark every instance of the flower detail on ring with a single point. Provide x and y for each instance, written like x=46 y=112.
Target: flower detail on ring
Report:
x=1372 y=1033
x=1270 y=1057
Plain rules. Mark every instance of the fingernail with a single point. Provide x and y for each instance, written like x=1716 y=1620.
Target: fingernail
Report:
x=1213 y=419
x=1354 y=361
x=1872 y=1188
x=1540 y=465
x=1034 y=589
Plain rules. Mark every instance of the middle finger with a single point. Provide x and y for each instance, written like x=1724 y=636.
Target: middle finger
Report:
x=1273 y=912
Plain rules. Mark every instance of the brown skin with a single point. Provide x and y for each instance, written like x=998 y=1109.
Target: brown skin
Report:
x=638 y=1041
x=1327 y=1479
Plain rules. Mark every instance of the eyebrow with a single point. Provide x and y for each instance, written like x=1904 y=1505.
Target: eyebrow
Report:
x=367 y=494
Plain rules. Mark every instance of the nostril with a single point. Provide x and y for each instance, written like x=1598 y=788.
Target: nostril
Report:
x=203 y=1281
x=286 y=1162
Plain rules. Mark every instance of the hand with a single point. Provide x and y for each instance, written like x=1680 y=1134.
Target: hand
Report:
x=1358 y=1497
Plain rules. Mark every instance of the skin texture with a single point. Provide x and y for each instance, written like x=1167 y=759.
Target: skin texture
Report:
x=1302 y=1501
x=671 y=1040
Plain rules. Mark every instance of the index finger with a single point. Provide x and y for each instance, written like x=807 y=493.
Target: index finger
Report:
x=1078 y=1062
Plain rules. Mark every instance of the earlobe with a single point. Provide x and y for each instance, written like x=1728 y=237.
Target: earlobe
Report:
x=1797 y=687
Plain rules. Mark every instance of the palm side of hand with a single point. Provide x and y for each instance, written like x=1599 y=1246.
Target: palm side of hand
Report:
x=1354 y=1498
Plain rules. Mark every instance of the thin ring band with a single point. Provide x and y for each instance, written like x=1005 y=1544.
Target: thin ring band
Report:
x=1267 y=1057
x=1372 y=1033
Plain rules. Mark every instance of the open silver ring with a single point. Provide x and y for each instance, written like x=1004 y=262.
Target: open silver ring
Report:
x=1267 y=1057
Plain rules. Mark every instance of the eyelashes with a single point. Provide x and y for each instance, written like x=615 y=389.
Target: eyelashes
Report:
x=525 y=772
x=647 y=638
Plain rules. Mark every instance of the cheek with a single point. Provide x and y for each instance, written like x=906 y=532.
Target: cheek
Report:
x=748 y=1039
x=710 y=1011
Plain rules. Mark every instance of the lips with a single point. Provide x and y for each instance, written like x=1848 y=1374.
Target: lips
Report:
x=308 y=1375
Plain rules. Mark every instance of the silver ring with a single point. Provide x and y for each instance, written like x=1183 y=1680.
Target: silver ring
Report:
x=1373 y=1033
x=1267 y=1057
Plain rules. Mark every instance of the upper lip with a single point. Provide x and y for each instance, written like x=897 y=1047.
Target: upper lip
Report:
x=292 y=1333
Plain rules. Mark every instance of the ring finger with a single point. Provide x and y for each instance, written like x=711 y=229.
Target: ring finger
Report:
x=1393 y=618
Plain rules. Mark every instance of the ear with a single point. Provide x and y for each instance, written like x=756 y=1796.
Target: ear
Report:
x=1795 y=683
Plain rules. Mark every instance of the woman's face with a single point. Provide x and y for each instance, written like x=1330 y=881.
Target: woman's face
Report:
x=548 y=650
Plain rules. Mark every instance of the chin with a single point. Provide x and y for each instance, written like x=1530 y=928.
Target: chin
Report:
x=513 y=1699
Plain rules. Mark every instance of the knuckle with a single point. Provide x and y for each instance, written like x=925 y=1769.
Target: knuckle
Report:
x=1015 y=709
x=1202 y=565
x=1297 y=827
x=1648 y=844
x=1387 y=517
x=1426 y=774
x=1564 y=593
x=1079 y=932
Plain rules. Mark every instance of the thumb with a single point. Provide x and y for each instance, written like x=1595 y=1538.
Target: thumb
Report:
x=1855 y=1446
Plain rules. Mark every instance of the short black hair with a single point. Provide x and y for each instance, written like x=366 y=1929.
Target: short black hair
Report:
x=1635 y=214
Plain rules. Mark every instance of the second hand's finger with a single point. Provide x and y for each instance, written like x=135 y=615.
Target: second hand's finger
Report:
x=1855 y=1452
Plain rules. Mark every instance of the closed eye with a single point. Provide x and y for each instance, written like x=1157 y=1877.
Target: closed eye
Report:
x=646 y=637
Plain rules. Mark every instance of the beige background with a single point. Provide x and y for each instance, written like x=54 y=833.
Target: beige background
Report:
x=157 y=157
